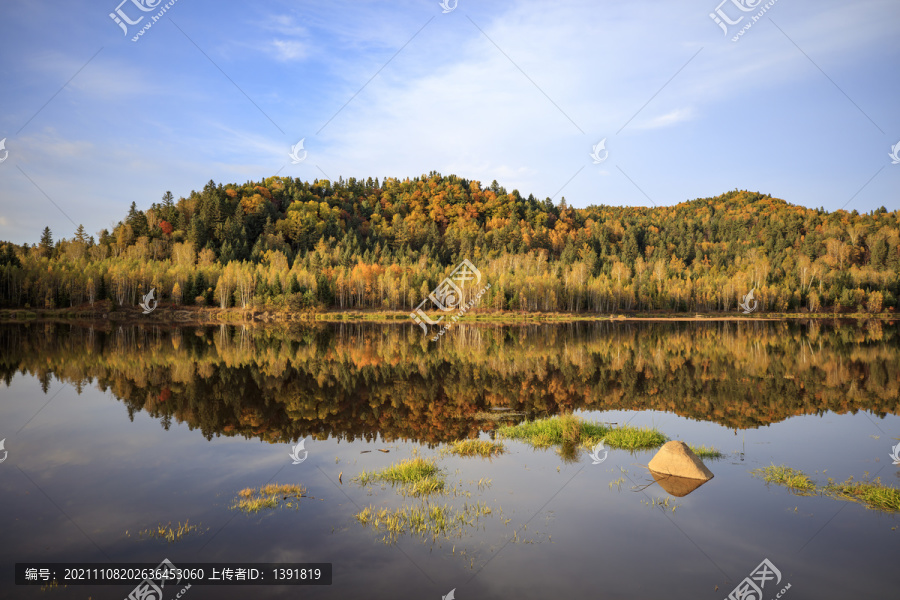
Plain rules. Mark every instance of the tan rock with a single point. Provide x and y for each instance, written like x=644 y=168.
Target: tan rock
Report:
x=676 y=486
x=676 y=458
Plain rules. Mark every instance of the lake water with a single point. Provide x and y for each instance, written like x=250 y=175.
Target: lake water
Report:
x=112 y=431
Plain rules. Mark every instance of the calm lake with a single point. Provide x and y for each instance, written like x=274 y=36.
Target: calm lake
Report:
x=113 y=431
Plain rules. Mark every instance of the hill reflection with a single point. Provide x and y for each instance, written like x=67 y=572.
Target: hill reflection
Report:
x=357 y=380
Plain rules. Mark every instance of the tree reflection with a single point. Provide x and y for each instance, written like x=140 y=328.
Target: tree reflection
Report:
x=359 y=380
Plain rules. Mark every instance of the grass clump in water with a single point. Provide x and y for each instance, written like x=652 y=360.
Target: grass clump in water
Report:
x=425 y=520
x=787 y=477
x=251 y=500
x=704 y=452
x=570 y=431
x=872 y=494
x=482 y=448
x=169 y=533
x=418 y=476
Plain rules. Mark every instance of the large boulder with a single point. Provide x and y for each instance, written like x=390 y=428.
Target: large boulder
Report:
x=676 y=458
x=676 y=486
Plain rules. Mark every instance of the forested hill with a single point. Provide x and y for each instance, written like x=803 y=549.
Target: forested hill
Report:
x=385 y=244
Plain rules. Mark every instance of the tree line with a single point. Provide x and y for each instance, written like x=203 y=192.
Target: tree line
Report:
x=364 y=381
x=287 y=243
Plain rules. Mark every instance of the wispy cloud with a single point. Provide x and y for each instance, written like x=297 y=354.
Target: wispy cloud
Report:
x=288 y=50
x=673 y=117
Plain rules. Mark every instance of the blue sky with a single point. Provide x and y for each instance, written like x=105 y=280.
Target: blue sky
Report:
x=804 y=106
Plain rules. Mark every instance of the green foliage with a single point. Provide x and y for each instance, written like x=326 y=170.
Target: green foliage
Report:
x=374 y=244
x=416 y=476
x=797 y=481
x=707 y=453
x=482 y=448
x=569 y=430
x=872 y=494
x=254 y=500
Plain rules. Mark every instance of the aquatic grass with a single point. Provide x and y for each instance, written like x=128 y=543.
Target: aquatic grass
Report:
x=569 y=430
x=871 y=494
x=482 y=448
x=704 y=452
x=424 y=520
x=169 y=533
x=252 y=500
x=662 y=504
x=417 y=476
x=787 y=477
x=631 y=438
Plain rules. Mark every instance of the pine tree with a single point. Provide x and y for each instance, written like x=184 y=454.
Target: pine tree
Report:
x=46 y=244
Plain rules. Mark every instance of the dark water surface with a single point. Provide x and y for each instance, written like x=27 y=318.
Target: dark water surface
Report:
x=113 y=431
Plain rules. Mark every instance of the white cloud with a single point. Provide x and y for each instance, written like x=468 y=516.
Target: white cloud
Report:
x=673 y=117
x=287 y=50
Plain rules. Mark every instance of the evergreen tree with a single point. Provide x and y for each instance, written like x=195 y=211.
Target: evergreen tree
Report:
x=47 y=242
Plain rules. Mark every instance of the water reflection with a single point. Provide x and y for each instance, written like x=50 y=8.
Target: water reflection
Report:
x=359 y=381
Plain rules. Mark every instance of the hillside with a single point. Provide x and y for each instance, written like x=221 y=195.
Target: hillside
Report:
x=385 y=244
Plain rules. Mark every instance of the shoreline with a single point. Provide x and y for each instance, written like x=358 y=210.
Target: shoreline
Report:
x=186 y=316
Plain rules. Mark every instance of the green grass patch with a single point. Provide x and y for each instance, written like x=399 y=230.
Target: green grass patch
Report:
x=425 y=520
x=787 y=477
x=571 y=431
x=251 y=500
x=872 y=494
x=482 y=448
x=169 y=533
x=417 y=476
x=704 y=452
